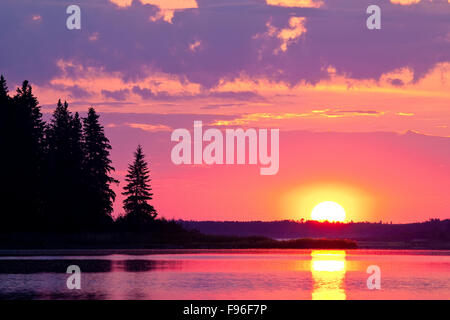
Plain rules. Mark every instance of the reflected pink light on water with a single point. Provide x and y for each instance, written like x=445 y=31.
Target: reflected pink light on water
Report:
x=233 y=274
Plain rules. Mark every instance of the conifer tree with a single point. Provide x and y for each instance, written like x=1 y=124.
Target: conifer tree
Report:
x=26 y=157
x=5 y=160
x=76 y=143
x=5 y=110
x=4 y=97
x=65 y=169
x=78 y=180
x=28 y=106
x=138 y=191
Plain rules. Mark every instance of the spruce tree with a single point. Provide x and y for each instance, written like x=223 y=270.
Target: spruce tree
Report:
x=4 y=97
x=28 y=106
x=138 y=191
x=97 y=168
x=77 y=174
x=76 y=143
x=5 y=160
x=65 y=169
x=5 y=109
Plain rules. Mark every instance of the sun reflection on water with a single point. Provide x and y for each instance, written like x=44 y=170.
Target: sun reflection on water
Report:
x=328 y=272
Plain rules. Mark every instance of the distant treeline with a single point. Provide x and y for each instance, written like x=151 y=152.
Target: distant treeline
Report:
x=434 y=229
x=56 y=176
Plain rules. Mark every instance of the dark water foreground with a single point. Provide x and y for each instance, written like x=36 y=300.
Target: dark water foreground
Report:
x=226 y=274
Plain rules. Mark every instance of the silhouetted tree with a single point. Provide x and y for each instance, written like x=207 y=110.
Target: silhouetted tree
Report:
x=78 y=179
x=97 y=168
x=5 y=163
x=5 y=109
x=65 y=174
x=4 y=97
x=138 y=192
x=77 y=145
x=23 y=152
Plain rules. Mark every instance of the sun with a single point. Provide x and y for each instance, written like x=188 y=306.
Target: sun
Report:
x=328 y=211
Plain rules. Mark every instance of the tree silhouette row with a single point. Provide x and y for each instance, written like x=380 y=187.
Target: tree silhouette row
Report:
x=56 y=176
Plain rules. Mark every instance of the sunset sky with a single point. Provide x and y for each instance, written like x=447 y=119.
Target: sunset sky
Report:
x=364 y=115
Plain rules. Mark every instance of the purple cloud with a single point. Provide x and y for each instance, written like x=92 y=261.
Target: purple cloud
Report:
x=119 y=95
x=233 y=37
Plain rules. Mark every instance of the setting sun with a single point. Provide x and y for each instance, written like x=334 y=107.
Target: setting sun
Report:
x=328 y=211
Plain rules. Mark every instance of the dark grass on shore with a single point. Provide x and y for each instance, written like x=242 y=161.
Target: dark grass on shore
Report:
x=152 y=240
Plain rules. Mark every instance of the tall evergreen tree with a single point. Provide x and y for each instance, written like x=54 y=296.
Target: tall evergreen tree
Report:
x=76 y=143
x=97 y=169
x=138 y=191
x=65 y=169
x=28 y=106
x=25 y=154
x=4 y=97
x=59 y=132
x=5 y=109
x=78 y=180
x=5 y=159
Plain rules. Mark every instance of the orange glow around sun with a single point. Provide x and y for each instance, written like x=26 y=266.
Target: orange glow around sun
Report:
x=332 y=201
x=328 y=211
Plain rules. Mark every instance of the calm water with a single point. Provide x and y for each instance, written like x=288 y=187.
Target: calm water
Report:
x=230 y=274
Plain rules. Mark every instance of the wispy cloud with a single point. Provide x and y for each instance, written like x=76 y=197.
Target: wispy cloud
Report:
x=256 y=117
x=296 y=3
x=149 y=127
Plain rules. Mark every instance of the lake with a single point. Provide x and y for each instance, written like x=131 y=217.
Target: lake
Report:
x=227 y=274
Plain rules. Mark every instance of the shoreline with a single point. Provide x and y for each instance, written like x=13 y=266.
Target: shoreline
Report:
x=148 y=242
x=143 y=252
x=151 y=241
